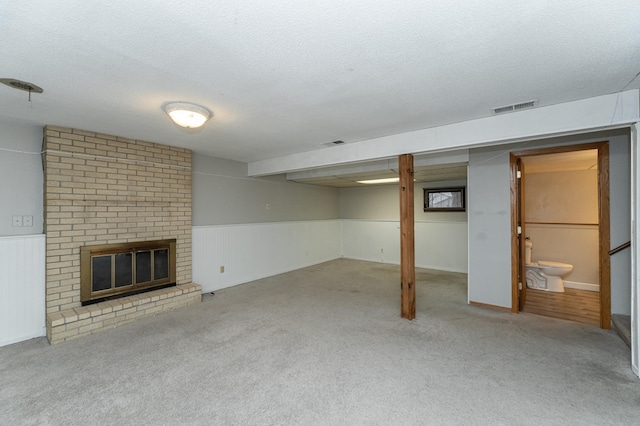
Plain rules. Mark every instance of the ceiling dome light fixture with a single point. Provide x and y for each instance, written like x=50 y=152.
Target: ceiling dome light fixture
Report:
x=187 y=115
x=22 y=85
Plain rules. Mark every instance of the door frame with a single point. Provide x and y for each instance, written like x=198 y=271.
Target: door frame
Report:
x=635 y=253
x=604 y=230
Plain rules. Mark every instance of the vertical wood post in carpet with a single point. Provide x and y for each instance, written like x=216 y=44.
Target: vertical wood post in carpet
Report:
x=407 y=244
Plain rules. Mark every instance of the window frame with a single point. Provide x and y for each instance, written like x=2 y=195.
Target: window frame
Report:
x=458 y=189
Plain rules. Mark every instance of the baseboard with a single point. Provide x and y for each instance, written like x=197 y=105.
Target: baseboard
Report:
x=622 y=325
x=581 y=286
x=442 y=268
x=423 y=266
x=248 y=279
x=19 y=339
x=486 y=305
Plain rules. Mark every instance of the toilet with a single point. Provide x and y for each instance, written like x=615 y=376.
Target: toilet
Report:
x=543 y=274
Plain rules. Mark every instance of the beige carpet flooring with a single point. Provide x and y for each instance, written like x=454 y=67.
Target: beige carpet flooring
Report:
x=325 y=345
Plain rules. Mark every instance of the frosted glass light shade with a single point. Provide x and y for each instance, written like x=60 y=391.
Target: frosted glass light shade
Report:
x=187 y=115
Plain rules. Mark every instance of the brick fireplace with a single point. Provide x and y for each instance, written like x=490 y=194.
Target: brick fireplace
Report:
x=101 y=189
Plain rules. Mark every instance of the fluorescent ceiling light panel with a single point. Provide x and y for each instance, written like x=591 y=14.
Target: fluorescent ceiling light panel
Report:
x=385 y=180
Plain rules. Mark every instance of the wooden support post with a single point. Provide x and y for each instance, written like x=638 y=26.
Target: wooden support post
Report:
x=407 y=244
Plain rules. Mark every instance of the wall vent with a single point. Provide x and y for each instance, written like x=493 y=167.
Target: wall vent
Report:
x=502 y=110
x=334 y=143
x=514 y=107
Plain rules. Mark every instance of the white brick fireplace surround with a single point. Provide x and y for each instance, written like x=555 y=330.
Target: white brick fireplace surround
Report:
x=102 y=189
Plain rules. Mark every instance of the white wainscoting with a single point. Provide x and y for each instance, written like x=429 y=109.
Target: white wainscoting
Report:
x=438 y=245
x=252 y=251
x=22 y=288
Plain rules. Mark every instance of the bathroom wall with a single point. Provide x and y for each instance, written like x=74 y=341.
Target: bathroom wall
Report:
x=561 y=217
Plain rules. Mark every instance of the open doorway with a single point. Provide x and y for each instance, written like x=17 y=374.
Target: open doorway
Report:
x=570 y=226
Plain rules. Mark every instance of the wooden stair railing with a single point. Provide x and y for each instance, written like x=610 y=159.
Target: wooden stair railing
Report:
x=620 y=248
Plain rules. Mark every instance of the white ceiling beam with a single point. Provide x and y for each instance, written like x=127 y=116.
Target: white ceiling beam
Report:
x=451 y=157
x=586 y=115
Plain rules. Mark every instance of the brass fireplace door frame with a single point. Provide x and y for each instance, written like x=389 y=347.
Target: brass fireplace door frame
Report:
x=87 y=295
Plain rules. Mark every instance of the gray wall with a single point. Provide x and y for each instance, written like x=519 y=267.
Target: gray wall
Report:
x=620 y=205
x=490 y=226
x=223 y=194
x=20 y=177
x=383 y=203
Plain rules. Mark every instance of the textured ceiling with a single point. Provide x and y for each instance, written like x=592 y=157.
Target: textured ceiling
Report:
x=289 y=76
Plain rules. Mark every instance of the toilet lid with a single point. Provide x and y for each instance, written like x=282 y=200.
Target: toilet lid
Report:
x=549 y=263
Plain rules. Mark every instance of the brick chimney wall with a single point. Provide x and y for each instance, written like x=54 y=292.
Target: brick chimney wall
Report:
x=102 y=189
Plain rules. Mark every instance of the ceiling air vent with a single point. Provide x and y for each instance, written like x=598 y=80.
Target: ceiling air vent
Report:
x=501 y=110
x=515 y=107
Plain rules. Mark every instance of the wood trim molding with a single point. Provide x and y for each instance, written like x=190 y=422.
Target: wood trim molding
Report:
x=604 y=235
x=515 y=302
x=604 y=230
x=560 y=149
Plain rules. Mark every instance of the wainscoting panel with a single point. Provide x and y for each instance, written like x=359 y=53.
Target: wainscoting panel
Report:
x=438 y=245
x=227 y=255
x=22 y=294
x=371 y=240
x=567 y=243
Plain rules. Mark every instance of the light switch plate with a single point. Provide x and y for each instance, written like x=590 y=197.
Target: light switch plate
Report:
x=16 y=221
x=27 y=220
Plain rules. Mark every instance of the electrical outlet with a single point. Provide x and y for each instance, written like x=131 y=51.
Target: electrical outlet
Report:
x=268 y=206
x=222 y=269
x=16 y=221
x=27 y=220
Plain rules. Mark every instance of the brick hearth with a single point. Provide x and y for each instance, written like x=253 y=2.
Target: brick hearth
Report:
x=84 y=320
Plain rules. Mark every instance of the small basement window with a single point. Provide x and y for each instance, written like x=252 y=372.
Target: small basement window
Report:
x=444 y=199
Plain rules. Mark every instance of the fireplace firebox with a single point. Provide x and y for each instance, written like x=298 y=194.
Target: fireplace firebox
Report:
x=114 y=270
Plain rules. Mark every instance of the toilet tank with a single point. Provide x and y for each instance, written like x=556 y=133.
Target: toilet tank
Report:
x=528 y=245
